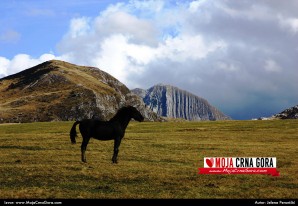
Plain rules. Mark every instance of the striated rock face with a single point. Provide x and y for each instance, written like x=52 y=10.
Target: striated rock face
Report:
x=60 y=91
x=169 y=101
x=290 y=113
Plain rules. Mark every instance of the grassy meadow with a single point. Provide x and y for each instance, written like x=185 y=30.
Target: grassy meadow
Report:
x=156 y=160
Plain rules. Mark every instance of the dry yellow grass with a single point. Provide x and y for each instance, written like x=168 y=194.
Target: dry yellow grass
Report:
x=156 y=160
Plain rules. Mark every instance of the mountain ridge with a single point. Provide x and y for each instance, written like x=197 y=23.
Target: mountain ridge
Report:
x=289 y=113
x=60 y=91
x=173 y=102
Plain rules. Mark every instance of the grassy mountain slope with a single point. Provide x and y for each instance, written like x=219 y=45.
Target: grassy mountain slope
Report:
x=57 y=90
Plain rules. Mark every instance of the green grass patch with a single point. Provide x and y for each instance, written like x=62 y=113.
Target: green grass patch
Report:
x=156 y=160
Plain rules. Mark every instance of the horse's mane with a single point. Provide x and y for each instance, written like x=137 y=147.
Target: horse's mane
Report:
x=121 y=113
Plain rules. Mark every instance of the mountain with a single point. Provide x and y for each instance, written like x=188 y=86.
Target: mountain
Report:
x=290 y=113
x=170 y=101
x=60 y=91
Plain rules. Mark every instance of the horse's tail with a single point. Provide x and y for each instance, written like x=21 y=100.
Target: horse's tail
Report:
x=73 y=132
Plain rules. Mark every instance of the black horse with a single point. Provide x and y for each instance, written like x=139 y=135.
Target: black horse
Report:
x=114 y=129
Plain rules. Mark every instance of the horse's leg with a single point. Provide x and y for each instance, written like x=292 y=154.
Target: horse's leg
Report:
x=117 y=142
x=84 y=147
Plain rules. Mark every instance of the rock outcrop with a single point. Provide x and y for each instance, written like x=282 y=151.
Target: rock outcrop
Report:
x=172 y=102
x=290 y=113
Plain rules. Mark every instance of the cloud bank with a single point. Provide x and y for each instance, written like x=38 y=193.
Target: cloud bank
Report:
x=240 y=56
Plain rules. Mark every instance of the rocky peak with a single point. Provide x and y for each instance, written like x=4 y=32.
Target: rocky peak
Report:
x=290 y=113
x=170 y=101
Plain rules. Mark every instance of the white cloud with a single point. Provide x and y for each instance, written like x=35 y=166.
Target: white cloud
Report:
x=114 y=61
x=247 y=10
x=187 y=47
x=194 y=5
x=148 y=5
x=291 y=24
x=21 y=62
x=272 y=66
x=123 y=43
x=229 y=52
x=79 y=27
x=4 y=63
x=228 y=67
x=118 y=21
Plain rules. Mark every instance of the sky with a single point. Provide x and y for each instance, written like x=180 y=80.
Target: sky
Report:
x=241 y=56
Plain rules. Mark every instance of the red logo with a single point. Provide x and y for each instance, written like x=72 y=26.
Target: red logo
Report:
x=239 y=165
x=210 y=162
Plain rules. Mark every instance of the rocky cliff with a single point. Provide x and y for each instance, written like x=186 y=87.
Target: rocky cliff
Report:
x=170 y=101
x=290 y=113
x=60 y=91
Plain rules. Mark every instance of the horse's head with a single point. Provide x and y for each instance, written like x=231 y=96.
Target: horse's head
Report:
x=135 y=114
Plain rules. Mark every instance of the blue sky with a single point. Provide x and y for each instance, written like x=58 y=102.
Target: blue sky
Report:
x=35 y=27
x=239 y=55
